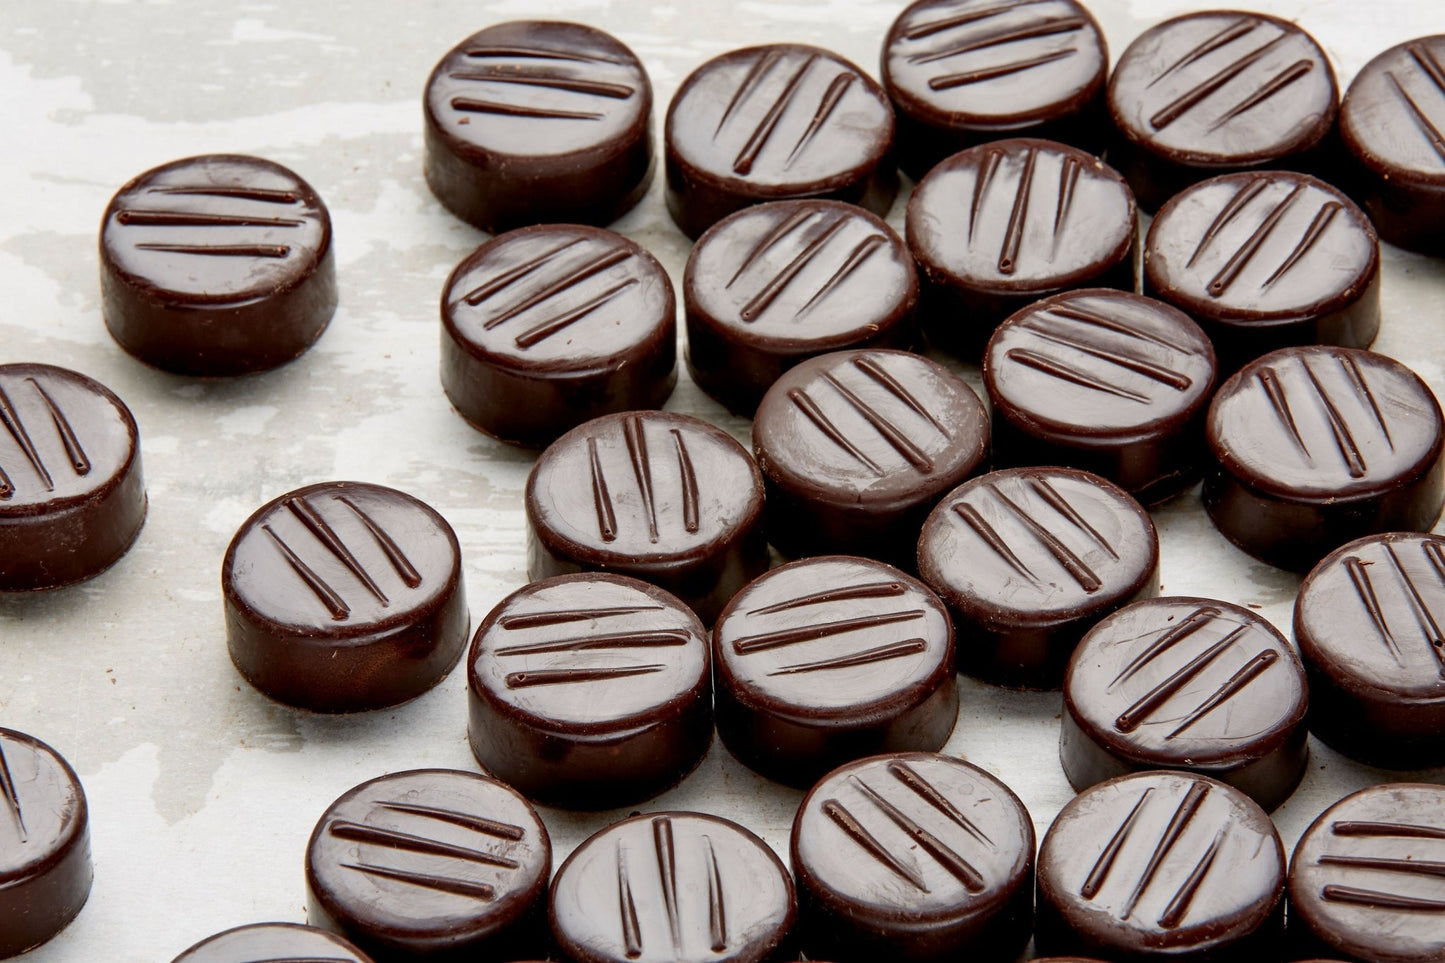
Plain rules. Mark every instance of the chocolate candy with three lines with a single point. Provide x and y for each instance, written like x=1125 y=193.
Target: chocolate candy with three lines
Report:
x=273 y=943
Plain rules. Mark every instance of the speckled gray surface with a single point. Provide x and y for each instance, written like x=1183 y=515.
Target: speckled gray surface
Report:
x=202 y=792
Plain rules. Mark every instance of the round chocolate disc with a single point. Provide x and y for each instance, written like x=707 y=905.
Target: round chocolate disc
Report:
x=537 y=121
x=273 y=943
x=216 y=265
x=775 y=284
x=344 y=596
x=590 y=691
x=1317 y=446
x=546 y=327
x=829 y=659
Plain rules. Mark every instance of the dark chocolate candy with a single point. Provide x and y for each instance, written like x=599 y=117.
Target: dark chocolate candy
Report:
x=856 y=448
x=913 y=856
x=961 y=73
x=273 y=943
x=1027 y=560
x=996 y=227
x=775 y=284
x=1391 y=124
x=590 y=691
x=662 y=497
x=216 y=265
x=673 y=887
x=776 y=122
x=1218 y=91
x=1365 y=879
x=1161 y=866
x=537 y=121
x=344 y=596
x=45 y=870
x=1317 y=446
x=830 y=659
x=546 y=327
x=430 y=864
x=1107 y=381
x=1186 y=683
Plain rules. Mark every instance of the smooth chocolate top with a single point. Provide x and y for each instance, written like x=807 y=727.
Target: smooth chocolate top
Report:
x=43 y=812
x=1324 y=423
x=273 y=943
x=1393 y=114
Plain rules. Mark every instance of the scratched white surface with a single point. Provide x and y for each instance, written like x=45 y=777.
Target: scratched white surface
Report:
x=202 y=792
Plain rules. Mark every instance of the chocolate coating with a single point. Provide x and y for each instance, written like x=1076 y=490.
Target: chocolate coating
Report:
x=776 y=122
x=673 y=887
x=856 y=447
x=1106 y=381
x=216 y=265
x=538 y=121
x=662 y=497
x=546 y=327
x=590 y=691
x=1266 y=261
x=775 y=284
x=430 y=864
x=960 y=74
x=1027 y=560
x=45 y=870
x=1186 y=683
x=829 y=659
x=1161 y=866
x=1218 y=91
x=272 y=942
x=1317 y=446
x=996 y=227
x=914 y=856
x=344 y=596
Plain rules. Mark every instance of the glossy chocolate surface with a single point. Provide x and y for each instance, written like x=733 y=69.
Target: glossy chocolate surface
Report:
x=1218 y=91
x=856 y=447
x=775 y=284
x=72 y=496
x=273 y=943
x=1161 y=865
x=1027 y=560
x=217 y=265
x=662 y=497
x=1265 y=261
x=829 y=659
x=344 y=596
x=776 y=122
x=45 y=870
x=430 y=864
x=1186 y=683
x=673 y=887
x=538 y=121
x=996 y=227
x=546 y=327
x=590 y=691
x=913 y=856
x=962 y=73
x=1106 y=381
x=1318 y=446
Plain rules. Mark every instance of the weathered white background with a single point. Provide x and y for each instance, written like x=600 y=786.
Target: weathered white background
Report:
x=202 y=792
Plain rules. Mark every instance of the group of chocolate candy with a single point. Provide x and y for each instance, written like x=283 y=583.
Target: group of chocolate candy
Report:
x=653 y=619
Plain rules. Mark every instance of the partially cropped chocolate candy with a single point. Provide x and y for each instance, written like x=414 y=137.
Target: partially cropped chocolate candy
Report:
x=590 y=691
x=960 y=74
x=913 y=856
x=856 y=447
x=776 y=122
x=216 y=265
x=1103 y=380
x=546 y=327
x=673 y=887
x=344 y=596
x=273 y=942
x=1316 y=446
x=778 y=283
x=829 y=659
x=996 y=227
x=1218 y=91
x=538 y=121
